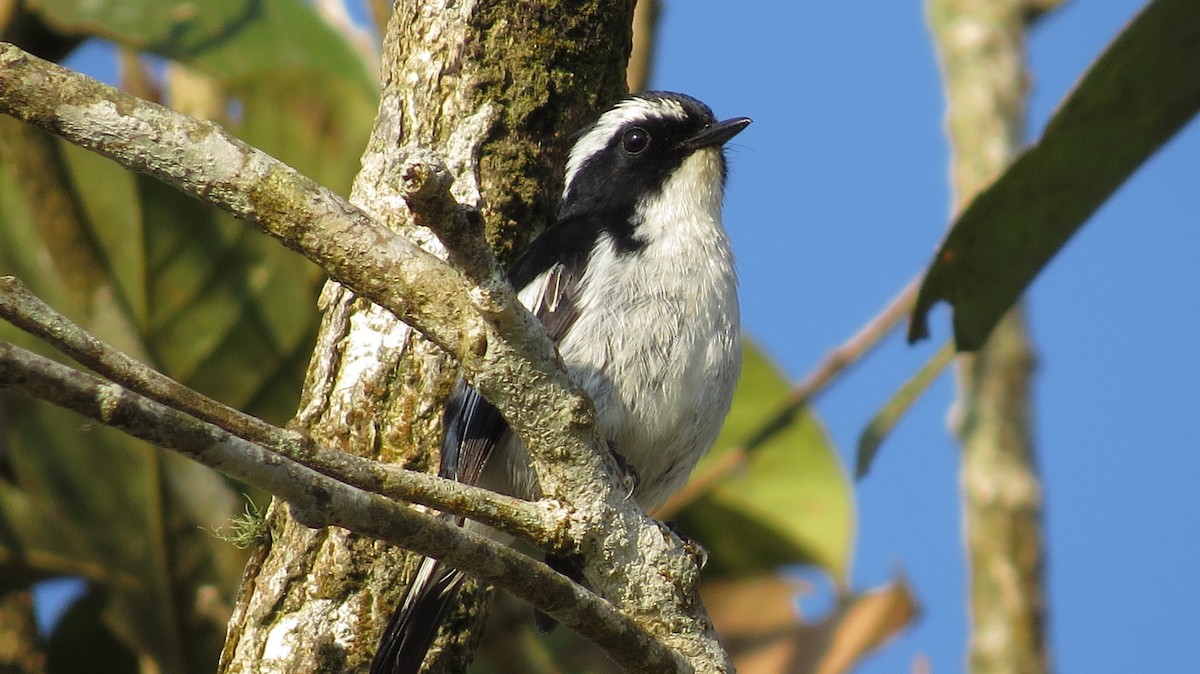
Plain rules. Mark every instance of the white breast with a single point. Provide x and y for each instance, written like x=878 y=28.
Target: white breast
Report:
x=658 y=340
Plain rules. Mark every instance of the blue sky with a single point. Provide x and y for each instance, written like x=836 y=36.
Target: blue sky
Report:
x=838 y=196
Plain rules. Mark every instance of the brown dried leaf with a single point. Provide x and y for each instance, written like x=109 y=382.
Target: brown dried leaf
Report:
x=863 y=623
x=758 y=622
x=764 y=633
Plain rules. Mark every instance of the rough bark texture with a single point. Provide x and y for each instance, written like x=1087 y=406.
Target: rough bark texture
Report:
x=981 y=44
x=495 y=88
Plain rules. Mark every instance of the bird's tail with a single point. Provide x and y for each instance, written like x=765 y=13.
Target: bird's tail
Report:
x=413 y=626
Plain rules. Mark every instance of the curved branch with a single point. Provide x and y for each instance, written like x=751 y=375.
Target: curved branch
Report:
x=319 y=500
x=205 y=161
x=539 y=524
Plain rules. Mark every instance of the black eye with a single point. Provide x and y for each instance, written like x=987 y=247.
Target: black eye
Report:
x=635 y=140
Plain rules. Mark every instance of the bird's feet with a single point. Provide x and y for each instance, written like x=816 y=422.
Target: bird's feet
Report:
x=629 y=474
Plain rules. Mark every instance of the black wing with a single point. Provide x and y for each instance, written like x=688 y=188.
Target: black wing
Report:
x=474 y=427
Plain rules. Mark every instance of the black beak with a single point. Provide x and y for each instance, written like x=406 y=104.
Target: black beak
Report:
x=716 y=134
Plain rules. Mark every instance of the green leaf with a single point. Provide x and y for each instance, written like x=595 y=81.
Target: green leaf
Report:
x=194 y=292
x=316 y=121
x=86 y=500
x=306 y=95
x=89 y=501
x=787 y=502
x=881 y=425
x=1137 y=95
x=230 y=39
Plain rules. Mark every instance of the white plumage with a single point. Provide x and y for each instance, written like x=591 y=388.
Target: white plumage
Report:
x=664 y=326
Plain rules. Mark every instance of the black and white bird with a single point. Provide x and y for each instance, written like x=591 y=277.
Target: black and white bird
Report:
x=635 y=283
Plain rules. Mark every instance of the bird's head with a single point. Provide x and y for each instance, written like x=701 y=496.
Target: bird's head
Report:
x=643 y=144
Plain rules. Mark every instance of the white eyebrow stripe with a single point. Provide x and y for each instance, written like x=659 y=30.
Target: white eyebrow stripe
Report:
x=626 y=112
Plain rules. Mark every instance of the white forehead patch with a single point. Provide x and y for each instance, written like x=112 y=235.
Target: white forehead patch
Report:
x=628 y=111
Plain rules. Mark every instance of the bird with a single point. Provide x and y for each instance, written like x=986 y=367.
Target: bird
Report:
x=636 y=285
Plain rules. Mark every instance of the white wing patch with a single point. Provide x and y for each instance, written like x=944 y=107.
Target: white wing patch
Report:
x=546 y=291
x=554 y=288
x=534 y=294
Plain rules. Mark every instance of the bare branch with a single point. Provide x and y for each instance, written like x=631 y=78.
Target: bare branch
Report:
x=319 y=500
x=839 y=360
x=539 y=524
x=641 y=58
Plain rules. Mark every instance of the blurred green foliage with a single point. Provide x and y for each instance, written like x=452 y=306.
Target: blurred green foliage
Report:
x=179 y=285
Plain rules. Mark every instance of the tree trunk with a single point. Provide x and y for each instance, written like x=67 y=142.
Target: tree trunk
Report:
x=982 y=48
x=495 y=88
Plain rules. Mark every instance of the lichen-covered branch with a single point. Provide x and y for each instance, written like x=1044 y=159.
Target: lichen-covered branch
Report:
x=321 y=501
x=535 y=523
x=202 y=159
x=425 y=184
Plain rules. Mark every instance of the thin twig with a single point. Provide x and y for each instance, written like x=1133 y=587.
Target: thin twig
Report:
x=535 y=523
x=641 y=57
x=838 y=361
x=831 y=366
x=318 y=500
